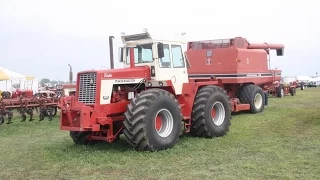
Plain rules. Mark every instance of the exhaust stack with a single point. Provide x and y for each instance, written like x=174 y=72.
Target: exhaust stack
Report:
x=70 y=74
x=111 y=52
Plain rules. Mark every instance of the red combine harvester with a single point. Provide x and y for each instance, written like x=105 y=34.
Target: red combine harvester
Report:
x=156 y=97
x=241 y=66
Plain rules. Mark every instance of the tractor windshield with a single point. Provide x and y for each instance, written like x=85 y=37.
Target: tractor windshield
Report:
x=142 y=54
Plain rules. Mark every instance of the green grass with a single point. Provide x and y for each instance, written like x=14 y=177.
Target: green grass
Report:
x=283 y=142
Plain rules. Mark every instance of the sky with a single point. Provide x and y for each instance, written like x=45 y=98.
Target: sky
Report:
x=40 y=37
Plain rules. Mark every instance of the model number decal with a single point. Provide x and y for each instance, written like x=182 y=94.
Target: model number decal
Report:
x=124 y=80
x=252 y=75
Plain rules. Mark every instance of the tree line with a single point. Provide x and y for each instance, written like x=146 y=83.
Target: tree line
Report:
x=46 y=81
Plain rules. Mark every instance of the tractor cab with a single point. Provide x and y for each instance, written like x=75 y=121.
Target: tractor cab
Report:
x=164 y=56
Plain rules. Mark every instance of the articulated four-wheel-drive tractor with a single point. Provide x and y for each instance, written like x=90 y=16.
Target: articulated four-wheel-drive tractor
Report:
x=162 y=92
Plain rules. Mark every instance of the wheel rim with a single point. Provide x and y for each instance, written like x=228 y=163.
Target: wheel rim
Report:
x=163 y=123
x=258 y=101
x=282 y=92
x=218 y=113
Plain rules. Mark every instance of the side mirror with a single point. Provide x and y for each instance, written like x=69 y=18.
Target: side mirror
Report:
x=160 y=50
x=120 y=55
x=280 y=52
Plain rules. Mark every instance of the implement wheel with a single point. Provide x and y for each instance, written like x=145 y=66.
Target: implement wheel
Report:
x=293 y=91
x=54 y=110
x=280 y=91
x=1 y=120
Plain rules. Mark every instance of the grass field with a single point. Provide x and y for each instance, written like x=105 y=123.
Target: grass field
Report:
x=283 y=142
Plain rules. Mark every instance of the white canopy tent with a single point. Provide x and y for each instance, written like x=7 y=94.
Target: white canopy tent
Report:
x=10 y=80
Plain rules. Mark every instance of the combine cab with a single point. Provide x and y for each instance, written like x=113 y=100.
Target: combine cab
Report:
x=159 y=94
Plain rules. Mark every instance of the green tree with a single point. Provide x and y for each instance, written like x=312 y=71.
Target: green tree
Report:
x=44 y=81
x=54 y=82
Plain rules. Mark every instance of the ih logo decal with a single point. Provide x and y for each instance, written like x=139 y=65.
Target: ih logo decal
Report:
x=107 y=75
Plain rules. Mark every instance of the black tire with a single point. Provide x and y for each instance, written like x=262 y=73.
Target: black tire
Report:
x=248 y=95
x=82 y=137
x=1 y=120
x=202 y=121
x=41 y=116
x=280 y=91
x=293 y=91
x=54 y=110
x=139 y=124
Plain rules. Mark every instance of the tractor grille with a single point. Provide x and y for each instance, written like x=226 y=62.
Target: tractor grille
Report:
x=87 y=88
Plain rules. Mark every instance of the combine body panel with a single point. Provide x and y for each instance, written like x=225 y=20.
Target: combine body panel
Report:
x=234 y=61
x=231 y=62
x=161 y=93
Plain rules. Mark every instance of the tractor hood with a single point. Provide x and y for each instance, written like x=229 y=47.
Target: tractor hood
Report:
x=125 y=73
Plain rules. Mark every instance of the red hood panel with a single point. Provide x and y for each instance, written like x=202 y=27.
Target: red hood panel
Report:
x=137 y=72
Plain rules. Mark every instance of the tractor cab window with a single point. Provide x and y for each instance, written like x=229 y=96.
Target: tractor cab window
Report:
x=142 y=54
x=177 y=56
x=165 y=62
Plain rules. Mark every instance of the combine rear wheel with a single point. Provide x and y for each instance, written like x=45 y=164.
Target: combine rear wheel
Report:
x=211 y=113
x=253 y=95
x=153 y=120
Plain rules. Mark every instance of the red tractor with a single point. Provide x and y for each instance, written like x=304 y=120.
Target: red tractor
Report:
x=66 y=90
x=24 y=93
x=282 y=89
x=159 y=94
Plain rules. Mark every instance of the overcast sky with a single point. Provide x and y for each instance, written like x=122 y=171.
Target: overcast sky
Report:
x=40 y=37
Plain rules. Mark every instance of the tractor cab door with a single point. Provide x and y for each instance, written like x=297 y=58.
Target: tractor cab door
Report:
x=172 y=66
